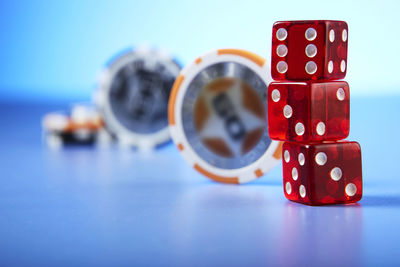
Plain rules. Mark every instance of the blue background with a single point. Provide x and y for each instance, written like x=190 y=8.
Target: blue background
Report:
x=55 y=49
x=85 y=206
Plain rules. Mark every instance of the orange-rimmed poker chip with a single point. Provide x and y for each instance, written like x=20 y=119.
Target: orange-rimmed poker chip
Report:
x=218 y=116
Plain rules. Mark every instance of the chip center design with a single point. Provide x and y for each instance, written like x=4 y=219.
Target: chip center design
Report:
x=139 y=96
x=229 y=117
x=224 y=115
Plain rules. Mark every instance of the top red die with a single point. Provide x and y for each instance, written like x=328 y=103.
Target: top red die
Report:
x=309 y=50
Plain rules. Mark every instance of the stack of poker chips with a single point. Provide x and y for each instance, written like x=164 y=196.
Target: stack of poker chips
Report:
x=309 y=108
x=82 y=126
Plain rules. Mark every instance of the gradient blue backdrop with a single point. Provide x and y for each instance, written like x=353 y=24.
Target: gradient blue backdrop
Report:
x=97 y=207
x=53 y=50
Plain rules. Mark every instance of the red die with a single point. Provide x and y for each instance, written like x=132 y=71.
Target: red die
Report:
x=304 y=50
x=308 y=111
x=323 y=173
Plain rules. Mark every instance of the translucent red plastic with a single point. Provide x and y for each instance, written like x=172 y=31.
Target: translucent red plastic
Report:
x=309 y=50
x=308 y=111
x=323 y=173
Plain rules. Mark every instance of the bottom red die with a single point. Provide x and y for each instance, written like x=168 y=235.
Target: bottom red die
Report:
x=322 y=173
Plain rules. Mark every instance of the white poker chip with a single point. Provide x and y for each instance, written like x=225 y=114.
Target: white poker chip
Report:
x=53 y=140
x=55 y=122
x=133 y=97
x=83 y=113
x=218 y=116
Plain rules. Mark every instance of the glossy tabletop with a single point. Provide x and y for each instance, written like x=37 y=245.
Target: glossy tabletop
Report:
x=82 y=206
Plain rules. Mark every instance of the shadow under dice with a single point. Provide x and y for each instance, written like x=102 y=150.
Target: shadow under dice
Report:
x=323 y=173
x=309 y=50
x=308 y=111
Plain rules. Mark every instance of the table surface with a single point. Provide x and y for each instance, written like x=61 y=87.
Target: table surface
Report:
x=91 y=206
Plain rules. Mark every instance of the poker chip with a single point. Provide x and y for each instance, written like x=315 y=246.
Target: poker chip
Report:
x=218 y=116
x=82 y=126
x=133 y=96
x=53 y=122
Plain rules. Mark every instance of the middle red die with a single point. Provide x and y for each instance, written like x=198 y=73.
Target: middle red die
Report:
x=308 y=111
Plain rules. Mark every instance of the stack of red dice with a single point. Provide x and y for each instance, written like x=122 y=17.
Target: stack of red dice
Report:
x=309 y=108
